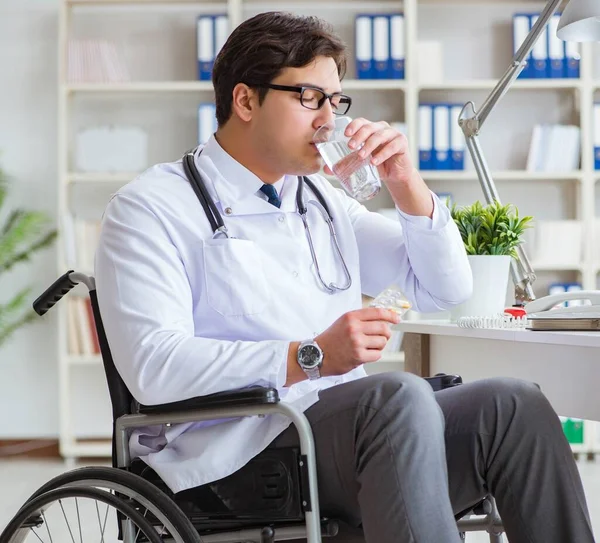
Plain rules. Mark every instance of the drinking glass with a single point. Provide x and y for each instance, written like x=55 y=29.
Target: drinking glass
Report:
x=357 y=175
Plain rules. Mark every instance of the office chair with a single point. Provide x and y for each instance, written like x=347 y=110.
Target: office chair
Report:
x=274 y=497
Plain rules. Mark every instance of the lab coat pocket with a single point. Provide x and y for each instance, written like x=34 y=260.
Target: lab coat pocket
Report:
x=234 y=275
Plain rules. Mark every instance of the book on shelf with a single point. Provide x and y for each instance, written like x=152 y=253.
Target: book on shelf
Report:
x=81 y=330
x=207 y=121
x=596 y=128
x=95 y=61
x=80 y=239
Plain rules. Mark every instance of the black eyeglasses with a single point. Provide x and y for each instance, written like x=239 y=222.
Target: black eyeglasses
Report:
x=313 y=98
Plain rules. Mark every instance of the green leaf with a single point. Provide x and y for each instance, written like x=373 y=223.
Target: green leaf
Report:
x=494 y=229
x=22 y=234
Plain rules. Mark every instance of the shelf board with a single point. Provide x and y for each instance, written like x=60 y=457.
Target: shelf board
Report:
x=549 y=266
x=84 y=360
x=140 y=86
x=207 y=86
x=489 y=84
x=93 y=449
x=507 y=175
x=125 y=2
x=373 y=84
x=108 y=177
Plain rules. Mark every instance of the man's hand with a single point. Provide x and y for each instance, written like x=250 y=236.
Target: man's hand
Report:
x=356 y=338
x=388 y=148
x=389 y=152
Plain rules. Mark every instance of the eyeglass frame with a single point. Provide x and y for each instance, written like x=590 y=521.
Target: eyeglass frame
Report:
x=300 y=90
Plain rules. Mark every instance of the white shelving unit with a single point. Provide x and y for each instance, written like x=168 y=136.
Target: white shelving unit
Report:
x=570 y=195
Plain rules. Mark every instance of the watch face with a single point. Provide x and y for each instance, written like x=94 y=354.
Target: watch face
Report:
x=310 y=356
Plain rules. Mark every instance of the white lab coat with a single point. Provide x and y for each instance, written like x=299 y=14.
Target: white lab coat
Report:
x=187 y=315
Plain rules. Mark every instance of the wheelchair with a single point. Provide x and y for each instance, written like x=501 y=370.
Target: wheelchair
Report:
x=273 y=498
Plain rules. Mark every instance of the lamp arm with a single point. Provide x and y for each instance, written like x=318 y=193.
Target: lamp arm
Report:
x=471 y=121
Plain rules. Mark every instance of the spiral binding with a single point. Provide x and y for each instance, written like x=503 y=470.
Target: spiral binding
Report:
x=496 y=321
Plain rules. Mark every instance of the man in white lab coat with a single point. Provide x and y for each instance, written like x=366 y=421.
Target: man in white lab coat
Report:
x=189 y=314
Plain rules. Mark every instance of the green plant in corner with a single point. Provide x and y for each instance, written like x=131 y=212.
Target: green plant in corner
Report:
x=22 y=233
x=494 y=229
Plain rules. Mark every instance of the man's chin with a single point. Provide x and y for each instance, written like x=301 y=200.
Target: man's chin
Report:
x=309 y=168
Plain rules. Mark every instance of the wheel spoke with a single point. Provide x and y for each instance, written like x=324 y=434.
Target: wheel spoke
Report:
x=105 y=518
x=35 y=534
x=47 y=527
x=66 y=520
x=99 y=523
x=79 y=520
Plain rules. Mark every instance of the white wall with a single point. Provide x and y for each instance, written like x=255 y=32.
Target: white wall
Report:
x=28 y=74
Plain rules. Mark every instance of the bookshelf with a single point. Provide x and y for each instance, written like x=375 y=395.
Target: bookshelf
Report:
x=158 y=42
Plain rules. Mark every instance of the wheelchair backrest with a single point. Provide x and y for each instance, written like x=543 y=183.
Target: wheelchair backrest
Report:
x=120 y=397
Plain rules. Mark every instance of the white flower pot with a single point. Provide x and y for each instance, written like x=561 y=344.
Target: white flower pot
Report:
x=490 y=284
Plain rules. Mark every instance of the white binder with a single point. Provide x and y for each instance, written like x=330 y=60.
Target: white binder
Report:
x=540 y=52
x=426 y=137
x=221 y=32
x=556 y=49
x=381 y=46
x=521 y=30
x=207 y=122
x=441 y=136
x=397 y=48
x=364 y=47
x=206 y=46
x=457 y=138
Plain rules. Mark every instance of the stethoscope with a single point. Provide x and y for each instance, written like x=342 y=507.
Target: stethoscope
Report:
x=219 y=229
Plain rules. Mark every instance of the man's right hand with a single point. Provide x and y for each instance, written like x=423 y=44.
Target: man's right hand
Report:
x=356 y=338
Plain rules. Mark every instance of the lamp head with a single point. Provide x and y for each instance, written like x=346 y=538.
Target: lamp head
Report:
x=580 y=21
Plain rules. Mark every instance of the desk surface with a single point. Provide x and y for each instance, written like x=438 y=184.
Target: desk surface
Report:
x=444 y=328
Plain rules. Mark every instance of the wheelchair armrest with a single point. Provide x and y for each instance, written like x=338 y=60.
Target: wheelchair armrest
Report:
x=442 y=381
x=230 y=398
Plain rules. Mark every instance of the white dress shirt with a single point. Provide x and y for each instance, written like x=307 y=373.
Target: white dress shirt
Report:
x=187 y=315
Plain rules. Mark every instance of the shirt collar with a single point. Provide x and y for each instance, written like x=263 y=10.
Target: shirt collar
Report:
x=234 y=182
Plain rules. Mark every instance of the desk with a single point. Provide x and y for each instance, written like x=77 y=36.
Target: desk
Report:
x=565 y=364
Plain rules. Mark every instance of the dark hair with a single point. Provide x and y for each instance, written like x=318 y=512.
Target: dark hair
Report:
x=260 y=48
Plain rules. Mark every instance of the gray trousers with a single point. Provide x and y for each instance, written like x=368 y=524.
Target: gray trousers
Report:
x=401 y=460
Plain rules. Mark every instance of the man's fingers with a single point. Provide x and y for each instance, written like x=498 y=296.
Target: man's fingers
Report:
x=371 y=355
x=378 y=314
x=374 y=342
x=377 y=328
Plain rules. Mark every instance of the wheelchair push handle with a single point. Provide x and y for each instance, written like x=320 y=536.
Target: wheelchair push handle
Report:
x=54 y=293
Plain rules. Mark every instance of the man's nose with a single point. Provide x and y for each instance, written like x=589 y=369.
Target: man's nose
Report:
x=325 y=115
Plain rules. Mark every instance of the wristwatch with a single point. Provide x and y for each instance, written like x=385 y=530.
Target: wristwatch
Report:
x=310 y=358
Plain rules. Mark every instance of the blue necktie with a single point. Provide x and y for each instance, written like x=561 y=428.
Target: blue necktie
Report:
x=271 y=194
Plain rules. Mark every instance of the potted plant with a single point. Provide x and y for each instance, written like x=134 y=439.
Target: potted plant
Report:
x=22 y=233
x=490 y=234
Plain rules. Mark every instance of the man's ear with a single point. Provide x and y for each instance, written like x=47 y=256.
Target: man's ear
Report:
x=245 y=101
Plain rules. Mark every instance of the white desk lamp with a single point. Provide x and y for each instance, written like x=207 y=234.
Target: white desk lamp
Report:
x=580 y=22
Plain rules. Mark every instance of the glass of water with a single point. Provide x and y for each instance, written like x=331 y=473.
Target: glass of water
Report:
x=357 y=175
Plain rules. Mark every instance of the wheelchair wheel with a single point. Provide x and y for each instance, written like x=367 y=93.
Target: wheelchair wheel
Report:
x=78 y=514
x=152 y=502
